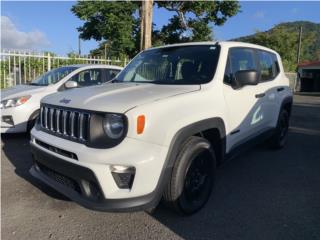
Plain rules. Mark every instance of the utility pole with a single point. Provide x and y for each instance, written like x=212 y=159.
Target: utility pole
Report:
x=299 y=45
x=297 y=79
x=105 y=50
x=146 y=24
x=79 y=46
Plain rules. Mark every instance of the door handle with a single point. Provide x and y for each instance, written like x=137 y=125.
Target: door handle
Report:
x=260 y=95
x=280 y=89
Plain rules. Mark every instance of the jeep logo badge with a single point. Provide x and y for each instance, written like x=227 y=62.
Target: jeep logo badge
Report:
x=65 y=101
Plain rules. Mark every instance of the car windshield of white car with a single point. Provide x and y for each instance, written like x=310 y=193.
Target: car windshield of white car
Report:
x=194 y=64
x=53 y=76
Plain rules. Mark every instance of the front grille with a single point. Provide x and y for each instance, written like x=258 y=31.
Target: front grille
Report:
x=65 y=122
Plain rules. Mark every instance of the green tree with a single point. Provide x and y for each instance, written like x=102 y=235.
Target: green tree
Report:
x=113 y=22
x=193 y=19
x=285 y=43
x=117 y=23
x=284 y=39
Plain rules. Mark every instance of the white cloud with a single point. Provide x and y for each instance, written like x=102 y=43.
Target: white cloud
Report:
x=12 y=38
x=259 y=15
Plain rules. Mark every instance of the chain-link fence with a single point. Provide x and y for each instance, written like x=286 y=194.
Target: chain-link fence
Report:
x=23 y=67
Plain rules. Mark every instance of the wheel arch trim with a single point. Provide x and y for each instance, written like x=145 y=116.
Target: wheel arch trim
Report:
x=190 y=130
x=288 y=100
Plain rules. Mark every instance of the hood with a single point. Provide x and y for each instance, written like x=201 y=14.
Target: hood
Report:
x=116 y=97
x=20 y=90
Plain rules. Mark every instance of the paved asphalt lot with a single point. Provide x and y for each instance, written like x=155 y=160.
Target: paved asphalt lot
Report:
x=261 y=194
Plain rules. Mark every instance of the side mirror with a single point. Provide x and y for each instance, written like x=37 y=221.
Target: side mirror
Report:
x=246 y=77
x=71 y=84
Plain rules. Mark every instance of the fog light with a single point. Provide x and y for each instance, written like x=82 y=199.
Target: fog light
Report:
x=123 y=176
x=8 y=119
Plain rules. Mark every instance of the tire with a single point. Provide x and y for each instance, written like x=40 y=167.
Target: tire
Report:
x=279 y=138
x=192 y=177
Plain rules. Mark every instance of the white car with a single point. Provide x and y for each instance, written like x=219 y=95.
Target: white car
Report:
x=162 y=127
x=20 y=104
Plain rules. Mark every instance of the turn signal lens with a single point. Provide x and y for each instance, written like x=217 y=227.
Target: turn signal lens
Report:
x=141 y=120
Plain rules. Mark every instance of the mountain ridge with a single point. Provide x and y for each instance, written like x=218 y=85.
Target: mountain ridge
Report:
x=283 y=38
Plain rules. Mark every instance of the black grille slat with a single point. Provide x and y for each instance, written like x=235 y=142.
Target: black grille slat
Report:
x=53 y=120
x=49 y=118
x=76 y=125
x=64 y=122
x=68 y=125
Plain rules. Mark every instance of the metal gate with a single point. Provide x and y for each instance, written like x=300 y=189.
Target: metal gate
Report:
x=22 y=67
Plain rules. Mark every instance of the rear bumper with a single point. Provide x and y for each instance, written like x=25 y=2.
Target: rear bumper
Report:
x=80 y=184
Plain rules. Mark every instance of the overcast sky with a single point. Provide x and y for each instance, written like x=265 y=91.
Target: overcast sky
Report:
x=51 y=26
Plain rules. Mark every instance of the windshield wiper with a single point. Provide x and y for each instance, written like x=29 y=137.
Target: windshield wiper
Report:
x=37 y=84
x=114 y=80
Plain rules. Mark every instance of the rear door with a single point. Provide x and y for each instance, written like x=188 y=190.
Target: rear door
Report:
x=245 y=105
x=270 y=86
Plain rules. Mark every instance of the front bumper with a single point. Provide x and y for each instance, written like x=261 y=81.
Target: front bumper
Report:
x=20 y=117
x=71 y=176
x=15 y=128
x=70 y=180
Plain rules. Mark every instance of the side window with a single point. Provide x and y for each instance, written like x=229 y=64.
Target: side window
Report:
x=228 y=73
x=275 y=65
x=239 y=59
x=266 y=66
x=111 y=73
x=88 y=77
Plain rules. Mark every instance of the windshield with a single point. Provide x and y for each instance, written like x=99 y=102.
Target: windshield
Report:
x=53 y=76
x=173 y=65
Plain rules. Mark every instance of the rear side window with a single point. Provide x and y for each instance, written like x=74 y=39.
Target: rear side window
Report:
x=228 y=76
x=239 y=59
x=111 y=74
x=269 y=65
x=242 y=59
x=275 y=64
x=88 y=77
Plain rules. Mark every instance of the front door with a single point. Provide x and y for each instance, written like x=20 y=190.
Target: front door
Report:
x=245 y=105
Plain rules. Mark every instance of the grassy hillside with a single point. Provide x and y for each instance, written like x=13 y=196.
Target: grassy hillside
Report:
x=284 y=39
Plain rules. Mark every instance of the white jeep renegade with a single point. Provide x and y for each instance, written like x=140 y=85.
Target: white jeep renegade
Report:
x=161 y=127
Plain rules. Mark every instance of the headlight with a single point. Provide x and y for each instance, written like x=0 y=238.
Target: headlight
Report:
x=114 y=126
x=14 y=102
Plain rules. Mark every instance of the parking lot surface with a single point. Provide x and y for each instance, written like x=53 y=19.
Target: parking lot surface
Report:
x=262 y=194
